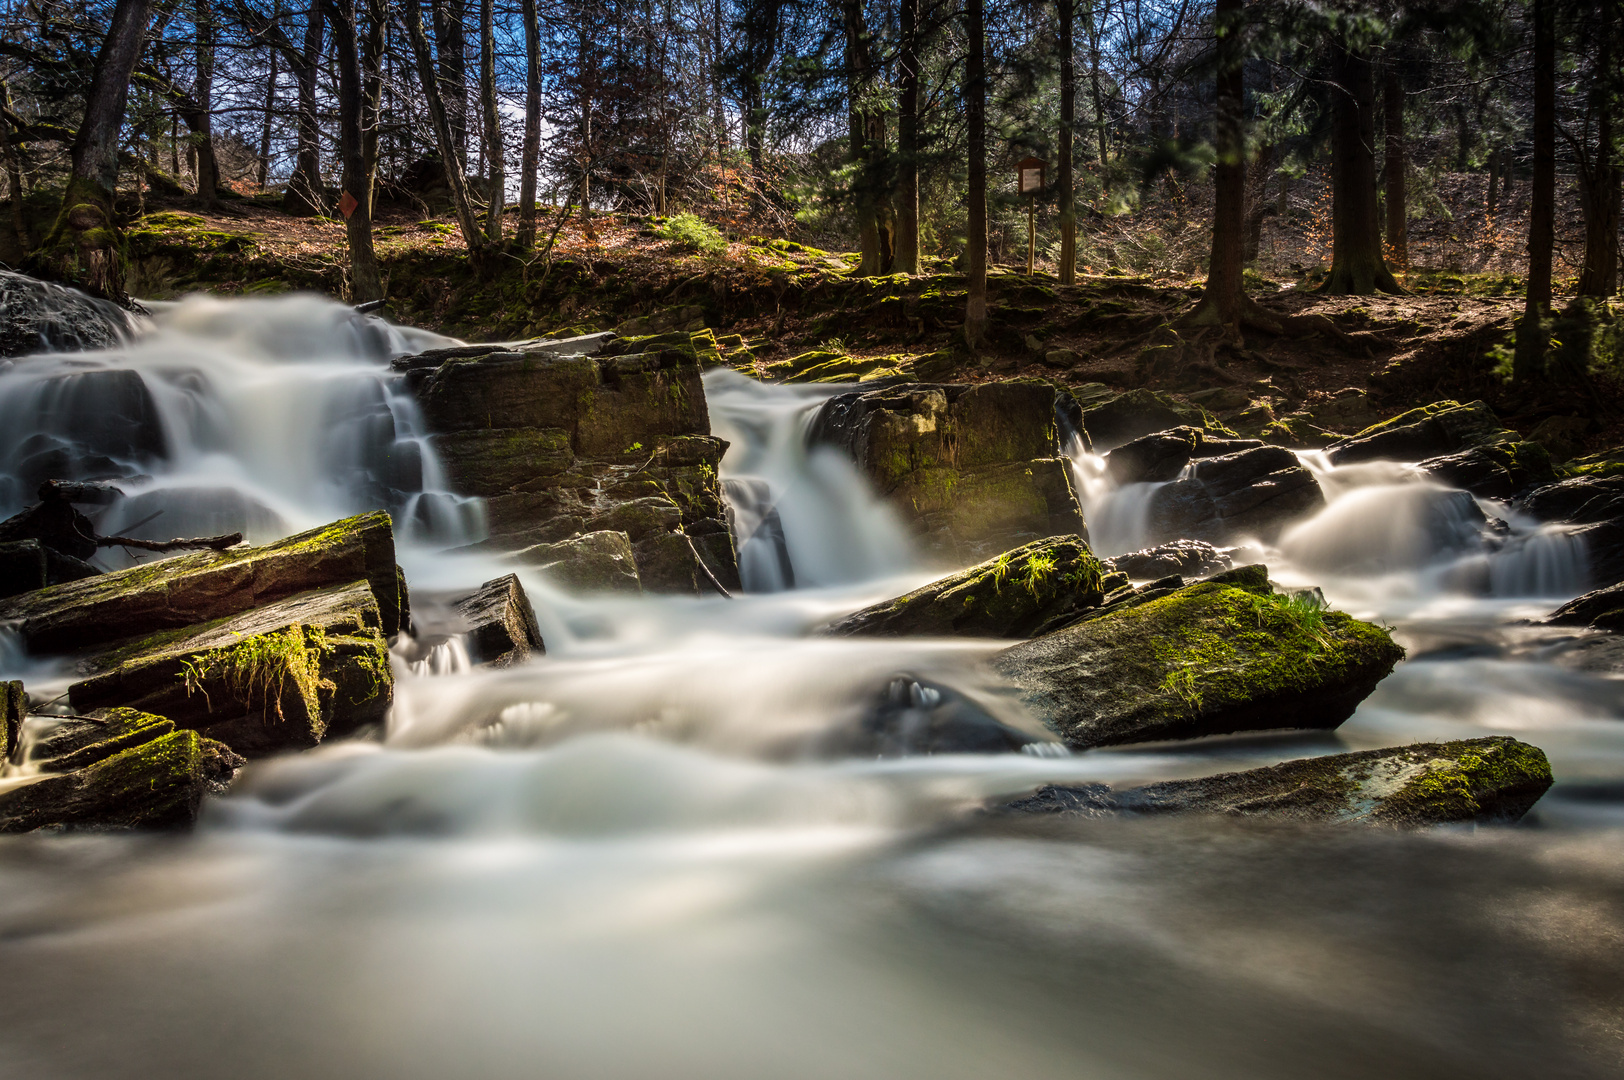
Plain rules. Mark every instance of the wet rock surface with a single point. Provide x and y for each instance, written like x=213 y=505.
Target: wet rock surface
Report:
x=1255 y=492
x=1594 y=505
x=1122 y=418
x=1212 y=658
x=1012 y=595
x=40 y=316
x=911 y=716
x=1488 y=780
x=588 y=562
x=1162 y=455
x=1187 y=558
x=500 y=625
x=1436 y=430
x=1602 y=609
x=1496 y=471
x=572 y=438
x=973 y=469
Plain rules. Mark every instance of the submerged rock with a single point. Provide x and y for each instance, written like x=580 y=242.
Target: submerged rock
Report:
x=119 y=769
x=500 y=625
x=1010 y=596
x=1205 y=659
x=279 y=677
x=1489 y=780
x=1250 y=493
x=1436 y=430
x=973 y=469
x=190 y=589
x=911 y=716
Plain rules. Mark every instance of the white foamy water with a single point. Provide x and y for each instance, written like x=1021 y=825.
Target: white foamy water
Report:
x=638 y=857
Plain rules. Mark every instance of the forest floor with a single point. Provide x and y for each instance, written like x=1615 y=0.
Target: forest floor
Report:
x=779 y=308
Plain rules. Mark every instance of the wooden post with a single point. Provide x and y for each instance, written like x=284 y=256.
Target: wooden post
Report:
x=1029 y=182
x=1031 y=234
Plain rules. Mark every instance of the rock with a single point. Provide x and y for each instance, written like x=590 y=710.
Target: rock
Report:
x=1187 y=558
x=913 y=717
x=1490 y=780
x=158 y=782
x=500 y=625
x=41 y=316
x=677 y=318
x=13 y=711
x=189 y=589
x=1162 y=455
x=1562 y=436
x=1252 y=493
x=496 y=460
x=1605 y=464
x=26 y=565
x=974 y=469
x=1206 y=659
x=1010 y=596
x=1061 y=359
x=1128 y=416
x=1595 y=504
x=278 y=677
x=1601 y=610
x=1496 y=471
x=1436 y=430
x=590 y=562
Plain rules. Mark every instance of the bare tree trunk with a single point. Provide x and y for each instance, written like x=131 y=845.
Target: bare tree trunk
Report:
x=200 y=120
x=1494 y=182
x=1098 y=95
x=1393 y=168
x=365 y=283
x=1599 y=173
x=975 y=231
x=263 y=176
x=373 y=48
x=451 y=45
x=444 y=136
x=1356 y=238
x=1528 y=365
x=907 y=188
x=304 y=196
x=1067 y=183
x=495 y=180
x=531 y=156
x=14 y=173
x=1223 y=300
x=84 y=247
x=859 y=70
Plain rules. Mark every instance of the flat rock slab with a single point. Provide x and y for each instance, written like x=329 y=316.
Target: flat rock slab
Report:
x=276 y=678
x=501 y=628
x=205 y=585
x=1490 y=780
x=1009 y=596
x=590 y=562
x=1206 y=659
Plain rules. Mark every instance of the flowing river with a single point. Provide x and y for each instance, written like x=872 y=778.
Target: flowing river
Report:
x=629 y=859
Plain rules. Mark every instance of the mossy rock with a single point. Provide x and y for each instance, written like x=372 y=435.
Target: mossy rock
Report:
x=1444 y=427
x=1493 y=780
x=1207 y=659
x=1298 y=432
x=783 y=369
x=1607 y=463
x=591 y=562
x=1124 y=417
x=1496 y=471
x=490 y=461
x=1009 y=596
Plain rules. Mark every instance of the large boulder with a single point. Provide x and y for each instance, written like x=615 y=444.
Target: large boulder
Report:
x=186 y=590
x=278 y=677
x=1494 y=471
x=1186 y=558
x=1162 y=455
x=1255 y=492
x=1599 y=610
x=1490 y=780
x=118 y=769
x=1206 y=659
x=589 y=562
x=499 y=624
x=1120 y=419
x=1436 y=430
x=40 y=316
x=973 y=469
x=1010 y=596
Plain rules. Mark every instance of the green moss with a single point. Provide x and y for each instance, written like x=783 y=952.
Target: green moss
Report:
x=1451 y=784
x=1411 y=417
x=263 y=666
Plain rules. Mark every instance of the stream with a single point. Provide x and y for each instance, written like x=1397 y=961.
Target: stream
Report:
x=628 y=860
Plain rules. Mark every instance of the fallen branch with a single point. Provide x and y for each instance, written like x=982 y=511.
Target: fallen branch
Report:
x=213 y=543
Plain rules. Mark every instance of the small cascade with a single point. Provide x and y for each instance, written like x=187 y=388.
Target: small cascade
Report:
x=803 y=518
x=1118 y=518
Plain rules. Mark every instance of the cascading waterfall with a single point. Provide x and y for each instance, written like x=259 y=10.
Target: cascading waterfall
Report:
x=644 y=854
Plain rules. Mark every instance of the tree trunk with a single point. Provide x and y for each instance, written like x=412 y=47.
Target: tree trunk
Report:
x=718 y=110
x=263 y=175
x=84 y=247
x=1065 y=181
x=495 y=178
x=1599 y=172
x=456 y=180
x=1098 y=97
x=975 y=230
x=451 y=44
x=365 y=283
x=859 y=71
x=304 y=196
x=373 y=48
x=200 y=121
x=14 y=173
x=1528 y=365
x=1393 y=168
x=1494 y=182
x=1356 y=238
x=1223 y=299
x=907 y=188
x=531 y=157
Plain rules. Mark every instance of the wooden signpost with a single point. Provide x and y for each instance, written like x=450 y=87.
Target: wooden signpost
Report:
x=1029 y=182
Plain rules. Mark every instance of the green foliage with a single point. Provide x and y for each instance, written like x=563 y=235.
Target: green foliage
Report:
x=692 y=231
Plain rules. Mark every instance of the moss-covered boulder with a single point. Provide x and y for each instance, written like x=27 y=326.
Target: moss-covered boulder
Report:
x=1010 y=596
x=279 y=677
x=1489 y=780
x=590 y=562
x=1207 y=659
x=186 y=590
x=1444 y=427
x=493 y=461
x=974 y=469
x=1121 y=418
x=1161 y=456
x=135 y=771
x=499 y=624
x=1250 y=493
x=1602 y=609
x=1594 y=505
x=1495 y=471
